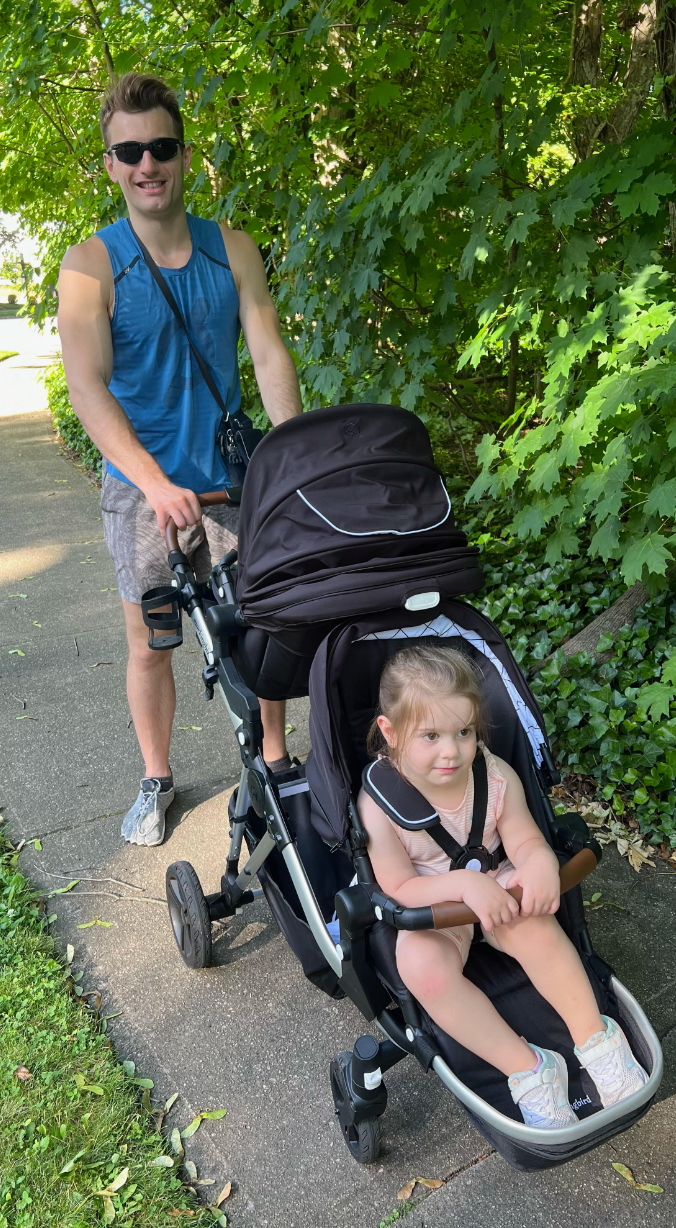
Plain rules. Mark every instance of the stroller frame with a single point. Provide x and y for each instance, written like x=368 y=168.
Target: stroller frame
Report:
x=359 y=1093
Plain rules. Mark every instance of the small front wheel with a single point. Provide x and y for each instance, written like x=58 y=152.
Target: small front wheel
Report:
x=189 y=915
x=364 y=1140
x=363 y=1137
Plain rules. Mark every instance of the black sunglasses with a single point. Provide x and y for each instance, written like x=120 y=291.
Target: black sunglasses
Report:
x=162 y=149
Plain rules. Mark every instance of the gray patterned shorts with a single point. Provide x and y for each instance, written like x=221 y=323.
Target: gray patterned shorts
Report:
x=138 y=549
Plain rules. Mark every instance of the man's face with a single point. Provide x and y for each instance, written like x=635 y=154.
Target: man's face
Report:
x=152 y=188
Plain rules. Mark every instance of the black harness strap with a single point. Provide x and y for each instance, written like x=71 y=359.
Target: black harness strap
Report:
x=409 y=809
x=475 y=839
x=171 y=302
x=236 y=437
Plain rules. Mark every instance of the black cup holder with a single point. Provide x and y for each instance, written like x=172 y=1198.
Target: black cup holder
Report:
x=161 y=620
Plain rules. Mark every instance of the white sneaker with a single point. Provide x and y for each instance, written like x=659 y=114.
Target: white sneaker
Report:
x=611 y=1064
x=542 y=1094
x=144 y=822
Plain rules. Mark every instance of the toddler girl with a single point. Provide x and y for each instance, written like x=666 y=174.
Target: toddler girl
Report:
x=430 y=728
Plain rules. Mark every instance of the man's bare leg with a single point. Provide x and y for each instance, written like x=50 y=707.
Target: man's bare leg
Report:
x=273 y=715
x=151 y=693
x=152 y=700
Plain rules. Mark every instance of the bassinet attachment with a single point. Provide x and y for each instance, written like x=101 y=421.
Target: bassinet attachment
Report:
x=344 y=513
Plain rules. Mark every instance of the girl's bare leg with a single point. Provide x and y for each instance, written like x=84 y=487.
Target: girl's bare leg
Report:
x=550 y=960
x=430 y=966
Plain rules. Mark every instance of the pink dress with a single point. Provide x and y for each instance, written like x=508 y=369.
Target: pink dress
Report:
x=428 y=858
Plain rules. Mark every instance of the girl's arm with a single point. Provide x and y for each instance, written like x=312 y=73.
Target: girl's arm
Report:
x=536 y=864
x=397 y=876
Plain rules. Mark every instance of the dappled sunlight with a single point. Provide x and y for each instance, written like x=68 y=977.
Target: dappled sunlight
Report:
x=29 y=560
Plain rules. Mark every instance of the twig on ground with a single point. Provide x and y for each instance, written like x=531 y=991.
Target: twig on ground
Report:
x=86 y=879
x=138 y=899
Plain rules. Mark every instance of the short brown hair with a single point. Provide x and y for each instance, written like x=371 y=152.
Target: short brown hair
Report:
x=414 y=677
x=134 y=94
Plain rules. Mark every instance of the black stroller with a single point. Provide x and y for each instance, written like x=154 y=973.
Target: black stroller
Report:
x=348 y=548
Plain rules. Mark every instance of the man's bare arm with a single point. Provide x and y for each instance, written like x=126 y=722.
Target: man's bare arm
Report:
x=85 y=292
x=273 y=365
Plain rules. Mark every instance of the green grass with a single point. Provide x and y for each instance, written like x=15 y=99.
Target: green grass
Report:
x=8 y=354
x=78 y=1122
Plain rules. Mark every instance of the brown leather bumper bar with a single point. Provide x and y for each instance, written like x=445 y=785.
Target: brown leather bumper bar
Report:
x=573 y=872
x=209 y=500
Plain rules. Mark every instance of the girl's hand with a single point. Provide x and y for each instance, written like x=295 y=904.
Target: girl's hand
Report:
x=491 y=903
x=539 y=879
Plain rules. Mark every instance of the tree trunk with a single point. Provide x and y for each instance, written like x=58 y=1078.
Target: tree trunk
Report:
x=588 y=130
x=586 y=51
x=637 y=79
x=609 y=622
x=665 y=46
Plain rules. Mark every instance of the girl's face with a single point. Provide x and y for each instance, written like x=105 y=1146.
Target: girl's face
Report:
x=442 y=747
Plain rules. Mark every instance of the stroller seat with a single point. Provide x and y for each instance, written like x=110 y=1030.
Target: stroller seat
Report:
x=343 y=690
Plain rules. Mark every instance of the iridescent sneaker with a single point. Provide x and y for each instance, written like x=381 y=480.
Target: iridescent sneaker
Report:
x=542 y=1094
x=611 y=1064
x=144 y=821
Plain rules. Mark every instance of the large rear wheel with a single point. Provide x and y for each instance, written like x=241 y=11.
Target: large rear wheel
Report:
x=189 y=915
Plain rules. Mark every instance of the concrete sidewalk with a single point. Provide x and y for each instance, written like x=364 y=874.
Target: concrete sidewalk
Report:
x=250 y=1034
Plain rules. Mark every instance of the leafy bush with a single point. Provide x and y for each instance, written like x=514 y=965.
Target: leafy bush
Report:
x=71 y=1120
x=613 y=721
x=67 y=426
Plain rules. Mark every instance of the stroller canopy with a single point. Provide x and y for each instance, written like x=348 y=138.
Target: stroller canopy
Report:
x=345 y=513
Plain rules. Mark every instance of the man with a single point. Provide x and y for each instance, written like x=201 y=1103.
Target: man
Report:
x=139 y=394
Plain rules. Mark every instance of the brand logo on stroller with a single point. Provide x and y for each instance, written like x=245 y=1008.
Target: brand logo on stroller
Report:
x=577 y=1104
x=351 y=429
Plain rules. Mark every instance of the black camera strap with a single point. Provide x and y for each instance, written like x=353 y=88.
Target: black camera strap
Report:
x=237 y=438
x=171 y=302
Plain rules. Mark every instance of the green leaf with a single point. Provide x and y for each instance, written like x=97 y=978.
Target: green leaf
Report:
x=208 y=1115
x=644 y=196
x=662 y=499
x=606 y=642
x=129 y=1068
x=62 y=890
x=525 y=207
x=669 y=670
x=651 y=553
x=162 y=1162
x=147 y=1083
x=478 y=248
x=628 y=1175
x=383 y=94
x=68 y=1168
x=530 y=521
x=655 y=699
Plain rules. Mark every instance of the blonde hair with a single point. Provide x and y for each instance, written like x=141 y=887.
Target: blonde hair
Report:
x=410 y=680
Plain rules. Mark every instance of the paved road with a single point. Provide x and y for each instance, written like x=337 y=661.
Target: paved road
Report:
x=250 y=1034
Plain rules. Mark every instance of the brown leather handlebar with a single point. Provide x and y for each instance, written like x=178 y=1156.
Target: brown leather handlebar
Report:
x=452 y=913
x=208 y=500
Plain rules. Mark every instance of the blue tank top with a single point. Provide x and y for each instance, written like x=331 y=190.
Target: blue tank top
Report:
x=155 y=377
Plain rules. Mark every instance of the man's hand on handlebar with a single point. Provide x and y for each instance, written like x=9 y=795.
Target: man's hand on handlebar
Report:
x=171 y=502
